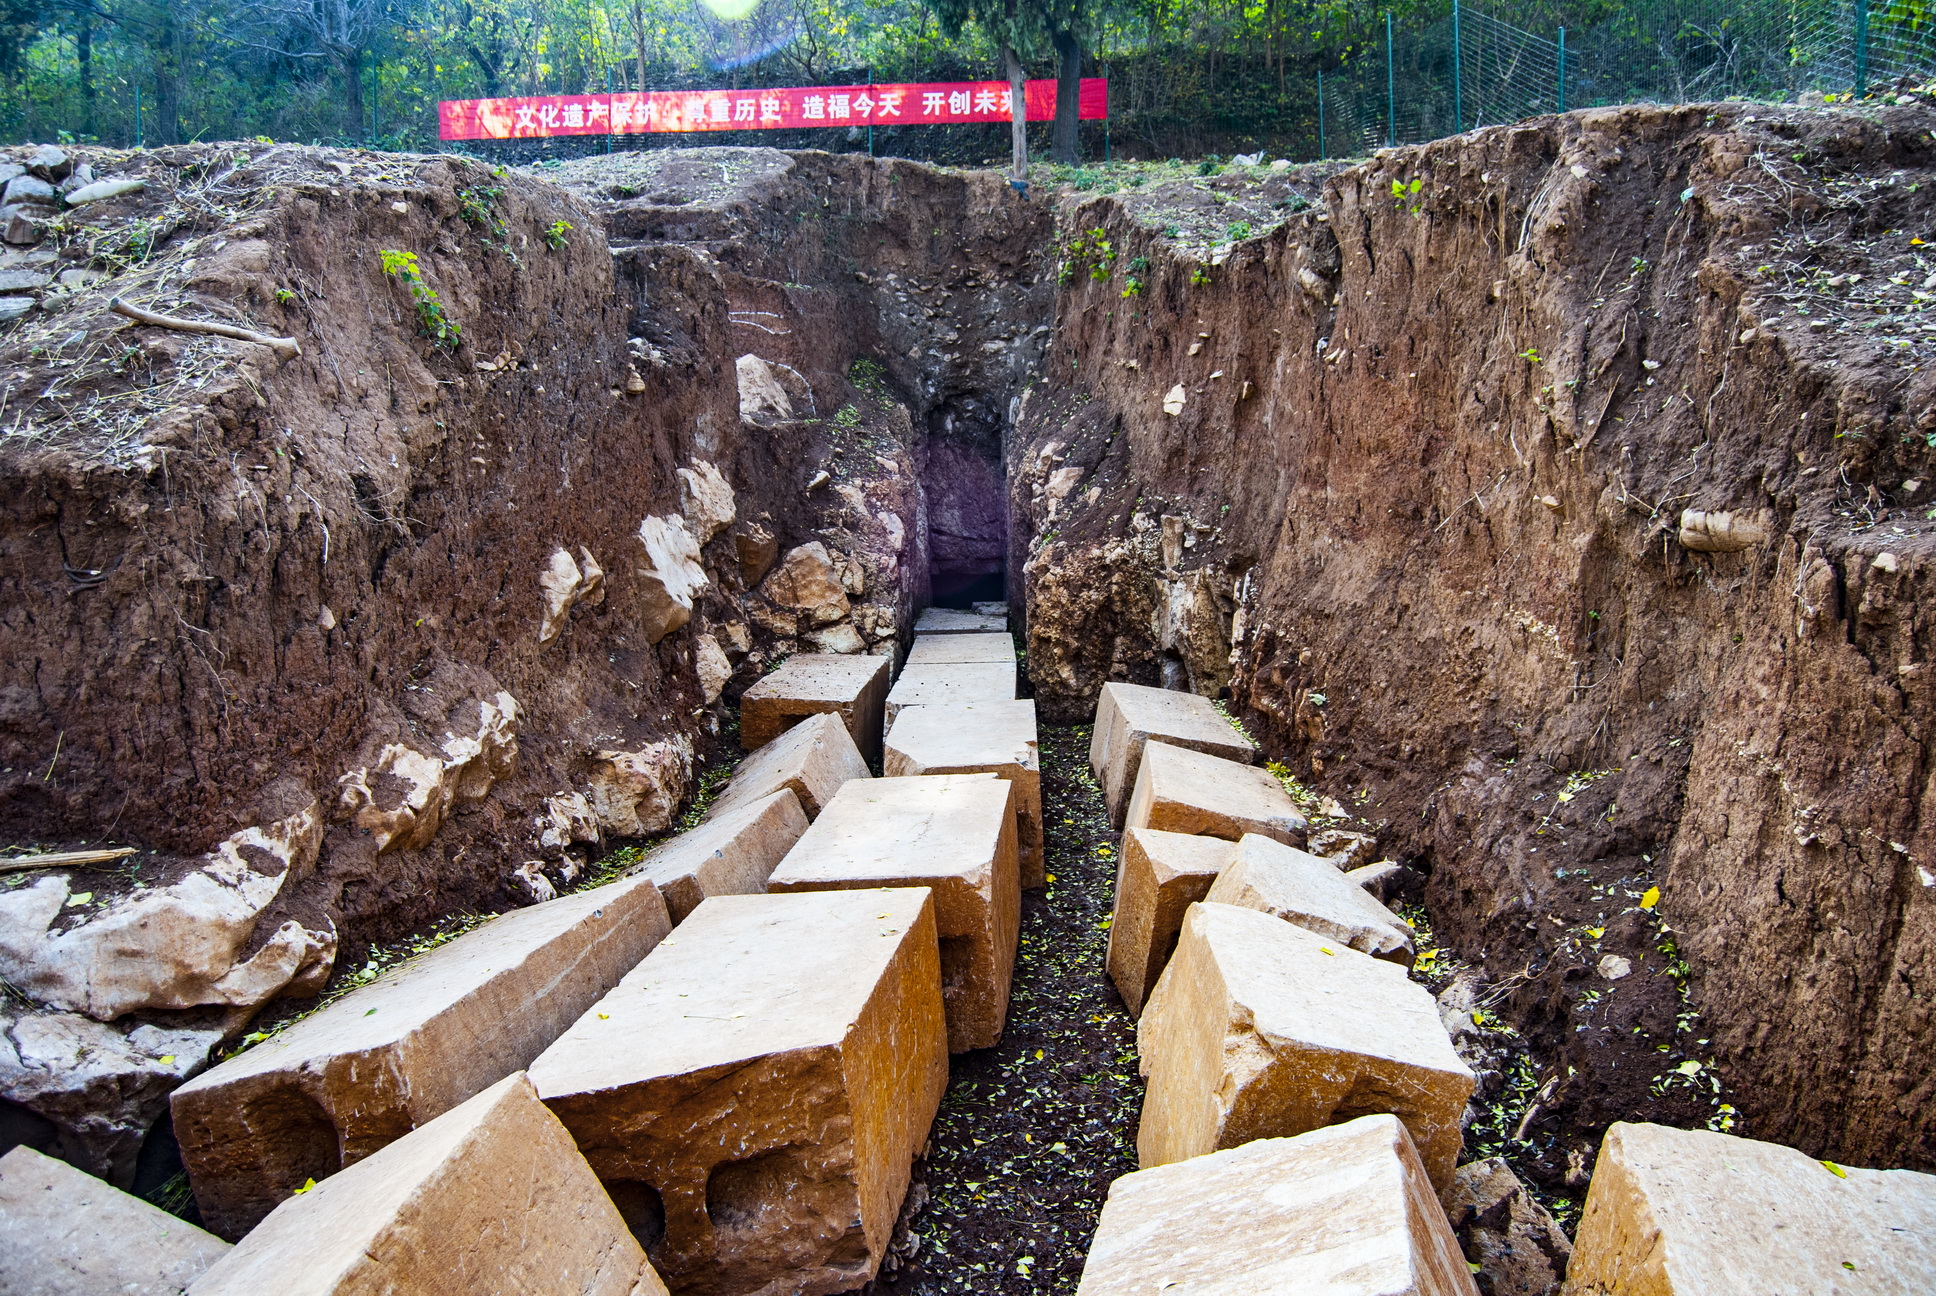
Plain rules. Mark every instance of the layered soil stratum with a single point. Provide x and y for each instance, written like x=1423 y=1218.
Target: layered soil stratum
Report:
x=1553 y=503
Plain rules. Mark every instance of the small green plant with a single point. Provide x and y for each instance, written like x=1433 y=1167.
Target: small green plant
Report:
x=431 y=316
x=1199 y=276
x=556 y=233
x=1138 y=264
x=1239 y=230
x=870 y=376
x=1211 y=165
x=1132 y=286
x=848 y=418
x=478 y=207
x=1530 y=355
x=1404 y=195
x=285 y=296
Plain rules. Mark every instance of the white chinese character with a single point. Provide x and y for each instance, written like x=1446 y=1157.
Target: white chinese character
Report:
x=864 y=104
x=695 y=111
x=574 y=115
x=958 y=101
x=596 y=111
x=525 y=120
x=890 y=105
x=621 y=114
x=719 y=110
x=770 y=108
x=743 y=109
x=837 y=105
x=986 y=102
x=548 y=116
x=931 y=103
x=815 y=107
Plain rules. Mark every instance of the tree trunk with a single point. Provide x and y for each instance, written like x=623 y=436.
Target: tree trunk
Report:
x=167 y=62
x=638 y=35
x=1064 y=147
x=352 y=69
x=84 y=56
x=1018 y=112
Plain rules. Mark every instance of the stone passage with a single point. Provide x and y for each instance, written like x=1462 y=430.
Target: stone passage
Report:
x=65 y=1233
x=1346 y=1209
x=1161 y=875
x=812 y=759
x=973 y=738
x=854 y=688
x=951 y=684
x=753 y=1093
x=938 y=620
x=952 y=833
x=489 y=1197
x=1180 y=790
x=380 y=1061
x=730 y=853
x=1130 y=716
x=955 y=649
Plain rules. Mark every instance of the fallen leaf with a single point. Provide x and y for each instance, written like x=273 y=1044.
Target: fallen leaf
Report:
x=1836 y=1170
x=1651 y=899
x=307 y=1185
x=1596 y=932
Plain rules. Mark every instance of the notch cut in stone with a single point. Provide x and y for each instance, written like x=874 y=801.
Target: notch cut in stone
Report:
x=727 y=854
x=813 y=758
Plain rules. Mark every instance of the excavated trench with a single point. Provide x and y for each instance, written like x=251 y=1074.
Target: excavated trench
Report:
x=1551 y=503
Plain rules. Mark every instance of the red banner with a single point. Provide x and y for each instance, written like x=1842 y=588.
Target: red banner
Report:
x=659 y=111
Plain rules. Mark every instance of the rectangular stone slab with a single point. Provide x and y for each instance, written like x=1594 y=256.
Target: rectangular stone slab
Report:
x=490 y=1197
x=1300 y=888
x=65 y=1233
x=951 y=683
x=759 y=1087
x=946 y=649
x=383 y=1059
x=975 y=738
x=1180 y=790
x=1694 y=1213
x=852 y=687
x=1160 y=875
x=936 y=620
x=813 y=758
x=1130 y=716
x=954 y=833
x=731 y=853
x=1260 y=1029
x=1346 y=1211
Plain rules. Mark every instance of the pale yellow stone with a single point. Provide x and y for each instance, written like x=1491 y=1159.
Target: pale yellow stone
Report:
x=728 y=854
x=951 y=683
x=64 y=1233
x=936 y=620
x=813 y=759
x=945 y=649
x=852 y=687
x=1161 y=874
x=1130 y=716
x=973 y=738
x=1180 y=790
x=1300 y=888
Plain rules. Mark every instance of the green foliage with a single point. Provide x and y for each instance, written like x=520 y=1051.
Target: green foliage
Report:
x=870 y=376
x=1239 y=230
x=285 y=295
x=556 y=233
x=1132 y=286
x=1200 y=275
x=478 y=207
x=431 y=316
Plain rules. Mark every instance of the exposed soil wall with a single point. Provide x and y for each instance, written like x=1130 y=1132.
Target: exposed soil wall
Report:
x=1417 y=500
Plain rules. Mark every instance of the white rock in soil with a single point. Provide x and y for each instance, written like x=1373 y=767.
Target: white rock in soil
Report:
x=807 y=582
x=762 y=397
x=711 y=664
x=633 y=793
x=402 y=797
x=706 y=499
x=671 y=579
x=104 y=189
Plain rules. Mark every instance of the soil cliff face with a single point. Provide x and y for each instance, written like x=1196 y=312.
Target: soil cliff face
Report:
x=1555 y=497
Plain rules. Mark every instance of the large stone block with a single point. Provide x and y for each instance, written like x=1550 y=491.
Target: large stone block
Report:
x=382 y=1060
x=813 y=759
x=1180 y=790
x=951 y=684
x=936 y=620
x=954 y=834
x=1300 y=888
x=728 y=854
x=1676 y=1212
x=1345 y=1211
x=490 y=1197
x=977 y=738
x=1130 y=716
x=1160 y=875
x=64 y=1233
x=1260 y=1029
x=954 y=649
x=852 y=687
x=754 y=1093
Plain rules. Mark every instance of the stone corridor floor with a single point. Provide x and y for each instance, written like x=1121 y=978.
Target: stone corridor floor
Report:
x=1032 y=1131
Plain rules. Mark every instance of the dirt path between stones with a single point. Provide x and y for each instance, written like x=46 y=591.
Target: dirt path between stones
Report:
x=1032 y=1132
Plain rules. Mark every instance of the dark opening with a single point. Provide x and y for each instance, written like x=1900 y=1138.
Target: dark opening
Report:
x=641 y=1207
x=19 y=1126
x=967 y=505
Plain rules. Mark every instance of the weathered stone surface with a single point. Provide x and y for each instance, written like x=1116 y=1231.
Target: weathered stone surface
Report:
x=706 y=500
x=1345 y=849
x=997 y=608
x=975 y=738
x=1160 y=875
x=1300 y=888
x=838 y=638
x=951 y=684
x=1179 y=790
x=384 y=1059
x=812 y=759
x=754 y=1093
x=954 y=834
x=1684 y=1212
x=807 y=583
x=1128 y=716
x=68 y=1234
x=402 y=797
x=564 y=583
x=1343 y=1211
x=1388 y=880
x=1517 y=1247
x=731 y=853
x=945 y=649
x=24 y=279
x=671 y=577
x=936 y=620
x=763 y=397
x=490 y=1197
x=713 y=667
x=633 y=793
x=757 y=550
x=854 y=688
x=174 y=946
x=1260 y=1029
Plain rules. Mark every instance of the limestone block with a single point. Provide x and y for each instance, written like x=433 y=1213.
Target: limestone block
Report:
x=1260 y=1029
x=840 y=637
x=68 y=1234
x=564 y=584
x=1179 y=790
x=671 y=578
x=727 y=854
x=952 y=683
x=753 y=1095
x=854 y=688
x=1160 y=875
x=954 y=834
x=978 y=738
x=384 y=1059
x=634 y=793
x=1684 y=1212
x=807 y=583
x=936 y=620
x=945 y=649
x=757 y=551
x=1502 y=1228
x=706 y=500
x=490 y=1197
x=713 y=667
x=1345 y=1211
x=763 y=397
x=813 y=759
x=1300 y=888
x=1128 y=716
